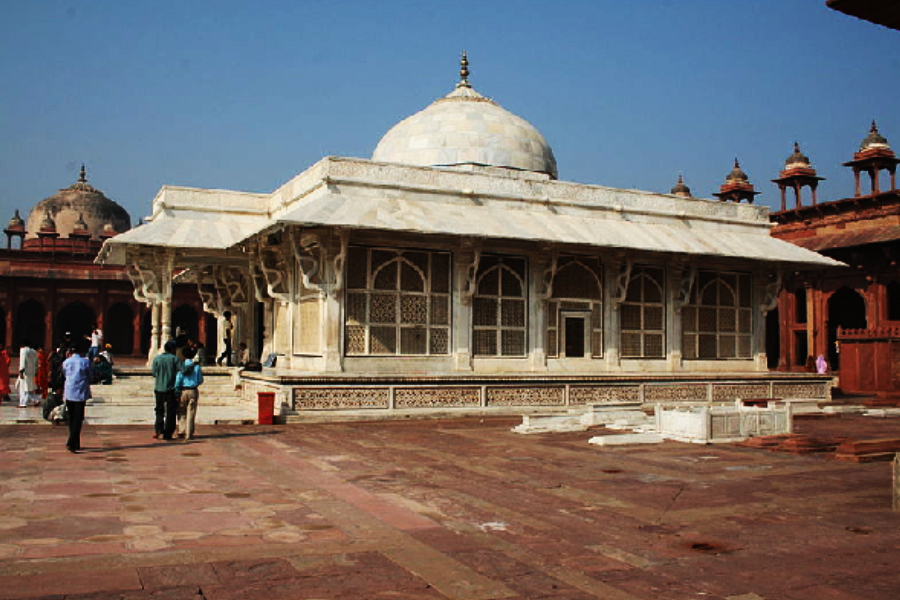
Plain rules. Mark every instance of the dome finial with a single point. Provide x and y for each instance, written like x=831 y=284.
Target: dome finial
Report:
x=463 y=71
x=82 y=176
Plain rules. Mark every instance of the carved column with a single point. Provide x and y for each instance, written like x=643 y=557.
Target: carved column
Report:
x=617 y=275
x=679 y=288
x=465 y=262
x=541 y=290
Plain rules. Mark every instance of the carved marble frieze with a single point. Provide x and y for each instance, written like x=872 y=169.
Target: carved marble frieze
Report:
x=341 y=398
x=526 y=396
x=437 y=397
x=604 y=394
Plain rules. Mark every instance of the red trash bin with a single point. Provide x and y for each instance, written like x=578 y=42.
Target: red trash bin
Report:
x=266 y=402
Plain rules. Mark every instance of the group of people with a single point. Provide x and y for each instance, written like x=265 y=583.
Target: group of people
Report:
x=64 y=376
x=177 y=382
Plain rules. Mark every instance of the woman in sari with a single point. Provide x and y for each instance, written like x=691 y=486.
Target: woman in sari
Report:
x=4 y=373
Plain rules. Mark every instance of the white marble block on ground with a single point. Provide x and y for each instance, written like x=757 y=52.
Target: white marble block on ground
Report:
x=618 y=415
x=627 y=438
x=550 y=422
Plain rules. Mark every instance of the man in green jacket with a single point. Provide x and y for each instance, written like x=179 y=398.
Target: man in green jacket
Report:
x=165 y=369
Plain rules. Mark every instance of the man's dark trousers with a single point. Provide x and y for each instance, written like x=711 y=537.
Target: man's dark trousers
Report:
x=75 y=417
x=165 y=414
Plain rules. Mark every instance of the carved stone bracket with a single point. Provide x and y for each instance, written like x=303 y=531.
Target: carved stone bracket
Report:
x=206 y=287
x=685 y=286
x=623 y=278
x=473 y=259
x=268 y=261
x=548 y=274
x=321 y=261
x=151 y=277
x=770 y=293
x=230 y=284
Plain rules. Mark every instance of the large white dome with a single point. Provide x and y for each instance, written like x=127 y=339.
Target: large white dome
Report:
x=465 y=128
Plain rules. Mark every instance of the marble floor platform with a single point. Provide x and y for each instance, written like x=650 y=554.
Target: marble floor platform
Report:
x=432 y=509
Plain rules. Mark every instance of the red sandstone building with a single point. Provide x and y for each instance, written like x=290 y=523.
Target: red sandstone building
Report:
x=850 y=315
x=49 y=284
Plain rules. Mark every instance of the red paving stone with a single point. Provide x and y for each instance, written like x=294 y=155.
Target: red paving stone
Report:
x=441 y=509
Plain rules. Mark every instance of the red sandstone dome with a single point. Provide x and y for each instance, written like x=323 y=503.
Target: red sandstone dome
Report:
x=79 y=202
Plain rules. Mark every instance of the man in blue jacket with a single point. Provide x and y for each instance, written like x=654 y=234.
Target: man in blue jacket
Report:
x=187 y=383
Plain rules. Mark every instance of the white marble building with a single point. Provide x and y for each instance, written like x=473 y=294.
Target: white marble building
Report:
x=453 y=270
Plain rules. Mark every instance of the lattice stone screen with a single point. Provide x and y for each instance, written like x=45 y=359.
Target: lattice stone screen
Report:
x=500 y=307
x=643 y=315
x=398 y=302
x=717 y=323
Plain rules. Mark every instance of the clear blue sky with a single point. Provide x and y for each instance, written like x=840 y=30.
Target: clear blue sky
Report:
x=245 y=95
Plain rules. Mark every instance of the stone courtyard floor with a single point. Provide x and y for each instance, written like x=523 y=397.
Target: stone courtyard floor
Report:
x=439 y=509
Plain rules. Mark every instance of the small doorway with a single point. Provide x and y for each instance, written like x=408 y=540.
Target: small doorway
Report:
x=575 y=334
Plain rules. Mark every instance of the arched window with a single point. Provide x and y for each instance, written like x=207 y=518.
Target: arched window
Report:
x=893 y=301
x=718 y=321
x=185 y=317
x=499 y=307
x=75 y=318
x=575 y=310
x=398 y=302
x=643 y=315
x=118 y=329
x=800 y=306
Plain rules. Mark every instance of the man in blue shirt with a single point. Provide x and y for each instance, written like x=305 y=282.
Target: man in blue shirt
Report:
x=76 y=391
x=187 y=383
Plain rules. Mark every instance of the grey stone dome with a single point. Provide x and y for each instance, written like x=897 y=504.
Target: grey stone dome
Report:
x=78 y=202
x=466 y=128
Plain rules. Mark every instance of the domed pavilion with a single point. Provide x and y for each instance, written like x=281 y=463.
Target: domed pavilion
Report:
x=50 y=285
x=454 y=271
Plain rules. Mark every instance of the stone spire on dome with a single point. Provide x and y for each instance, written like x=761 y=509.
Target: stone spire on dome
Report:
x=796 y=159
x=465 y=130
x=17 y=222
x=463 y=71
x=681 y=189
x=737 y=186
x=82 y=176
x=737 y=174
x=48 y=224
x=874 y=139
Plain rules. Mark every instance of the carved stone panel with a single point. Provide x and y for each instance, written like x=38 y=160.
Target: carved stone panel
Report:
x=435 y=397
x=604 y=394
x=675 y=393
x=340 y=398
x=526 y=396
x=800 y=390
x=725 y=392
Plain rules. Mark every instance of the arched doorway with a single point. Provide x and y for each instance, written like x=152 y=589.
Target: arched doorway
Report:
x=76 y=318
x=773 y=339
x=185 y=317
x=2 y=326
x=847 y=310
x=29 y=323
x=119 y=328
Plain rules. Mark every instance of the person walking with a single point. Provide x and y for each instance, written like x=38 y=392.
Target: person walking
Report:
x=4 y=373
x=96 y=342
x=227 y=332
x=187 y=383
x=165 y=369
x=76 y=391
x=26 y=386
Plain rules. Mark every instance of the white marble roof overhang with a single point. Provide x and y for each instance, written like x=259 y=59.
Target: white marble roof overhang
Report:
x=362 y=206
x=196 y=222
x=358 y=194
